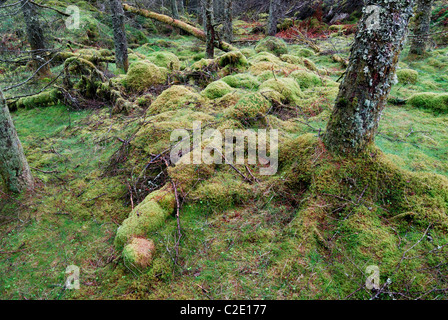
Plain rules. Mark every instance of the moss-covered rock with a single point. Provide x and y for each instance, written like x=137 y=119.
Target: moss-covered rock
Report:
x=249 y=107
x=222 y=191
x=289 y=58
x=304 y=52
x=242 y=80
x=233 y=58
x=216 y=90
x=407 y=76
x=265 y=57
x=306 y=79
x=175 y=97
x=165 y=59
x=261 y=67
x=428 y=100
x=310 y=65
x=286 y=88
x=272 y=44
x=142 y=75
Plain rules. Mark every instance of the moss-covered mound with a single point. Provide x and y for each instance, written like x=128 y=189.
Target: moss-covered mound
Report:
x=437 y=102
x=233 y=59
x=242 y=80
x=142 y=75
x=272 y=44
x=165 y=59
x=216 y=90
x=287 y=89
x=407 y=76
x=385 y=188
x=175 y=97
x=250 y=107
x=306 y=79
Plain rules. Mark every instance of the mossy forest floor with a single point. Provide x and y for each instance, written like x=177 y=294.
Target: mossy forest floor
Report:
x=308 y=232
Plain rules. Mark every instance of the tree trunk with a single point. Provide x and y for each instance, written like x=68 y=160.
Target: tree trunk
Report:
x=36 y=39
x=209 y=29
x=274 y=9
x=228 y=20
x=421 y=29
x=14 y=169
x=121 y=43
x=369 y=76
x=174 y=9
x=224 y=46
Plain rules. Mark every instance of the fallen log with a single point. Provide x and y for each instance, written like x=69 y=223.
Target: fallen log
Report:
x=224 y=46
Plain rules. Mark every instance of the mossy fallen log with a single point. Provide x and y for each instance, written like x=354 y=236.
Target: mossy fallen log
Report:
x=222 y=45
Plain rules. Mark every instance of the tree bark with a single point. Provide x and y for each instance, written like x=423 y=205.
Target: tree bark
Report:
x=36 y=39
x=174 y=9
x=14 y=170
x=421 y=29
x=274 y=9
x=228 y=21
x=222 y=45
x=209 y=29
x=121 y=43
x=369 y=76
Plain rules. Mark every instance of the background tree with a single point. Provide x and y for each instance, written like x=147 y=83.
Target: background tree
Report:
x=421 y=28
x=14 y=170
x=174 y=9
x=209 y=28
x=121 y=43
x=228 y=20
x=36 y=39
x=274 y=12
x=369 y=76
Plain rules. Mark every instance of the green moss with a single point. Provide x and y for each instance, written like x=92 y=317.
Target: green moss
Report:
x=250 y=106
x=289 y=58
x=437 y=102
x=233 y=59
x=216 y=90
x=201 y=64
x=309 y=64
x=165 y=59
x=272 y=44
x=265 y=57
x=43 y=99
x=142 y=75
x=222 y=191
x=173 y=98
x=306 y=79
x=285 y=24
x=261 y=67
x=304 y=52
x=285 y=88
x=138 y=253
x=242 y=80
x=407 y=76
x=148 y=216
